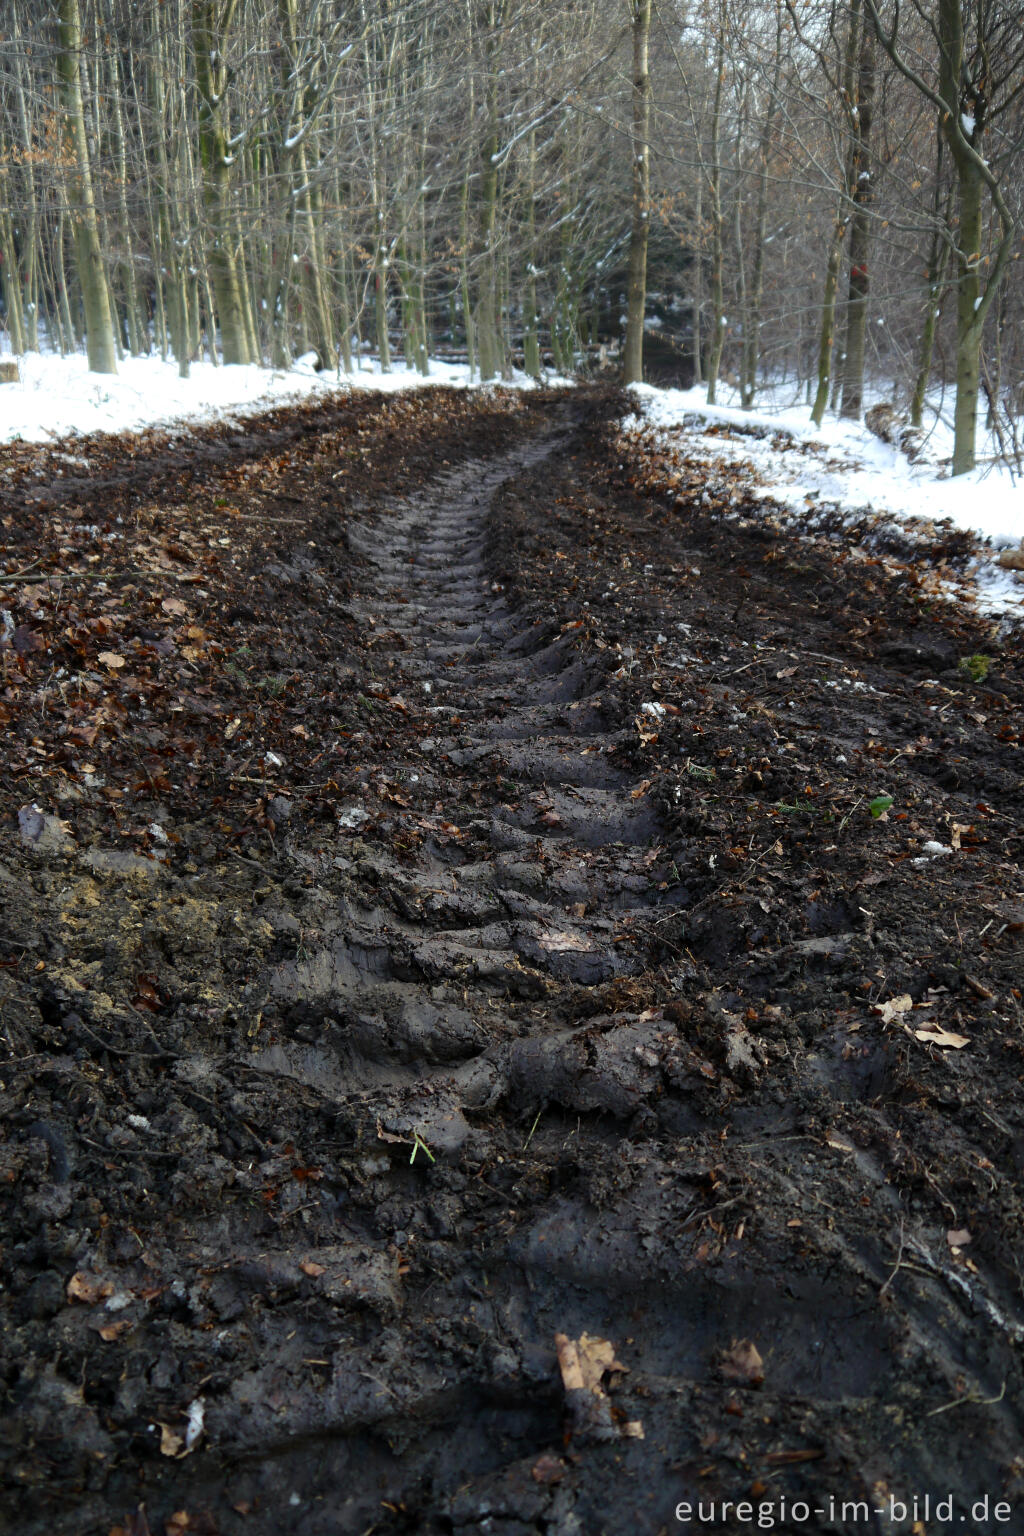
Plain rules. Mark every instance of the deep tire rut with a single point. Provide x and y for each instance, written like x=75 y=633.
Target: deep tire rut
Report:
x=500 y=1025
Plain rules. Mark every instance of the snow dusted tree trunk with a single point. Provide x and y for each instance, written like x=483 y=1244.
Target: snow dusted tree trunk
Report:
x=640 y=216
x=92 y=275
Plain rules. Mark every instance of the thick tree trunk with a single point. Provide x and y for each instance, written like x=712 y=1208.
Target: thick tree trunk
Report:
x=636 y=282
x=92 y=275
x=209 y=32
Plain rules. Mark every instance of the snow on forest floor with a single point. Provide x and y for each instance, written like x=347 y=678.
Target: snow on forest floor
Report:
x=780 y=457
x=58 y=397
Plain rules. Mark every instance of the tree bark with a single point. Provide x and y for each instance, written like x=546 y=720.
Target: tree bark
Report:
x=860 y=234
x=636 y=282
x=92 y=275
x=210 y=26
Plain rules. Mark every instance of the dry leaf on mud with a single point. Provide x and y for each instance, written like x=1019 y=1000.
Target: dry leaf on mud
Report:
x=111 y=1331
x=111 y=660
x=893 y=1008
x=558 y=942
x=87 y=1288
x=171 y=1444
x=174 y=1445
x=584 y=1363
x=934 y=1034
x=958 y=1237
x=312 y=1269
x=174 y=605
x=742 y=1363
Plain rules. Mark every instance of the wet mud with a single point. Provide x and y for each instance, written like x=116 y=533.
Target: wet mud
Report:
x=540 y=958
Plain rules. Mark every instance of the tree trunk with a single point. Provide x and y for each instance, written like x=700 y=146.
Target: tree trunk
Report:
x=92 y=276
x=717 y=338
x=826 y=333
x=752 y=318
x=636 y=282
x=938 y=261
x=209 y=32
x=860 y=235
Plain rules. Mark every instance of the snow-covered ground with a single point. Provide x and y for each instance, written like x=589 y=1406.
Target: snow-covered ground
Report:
x=784 y=459
x=58 y=397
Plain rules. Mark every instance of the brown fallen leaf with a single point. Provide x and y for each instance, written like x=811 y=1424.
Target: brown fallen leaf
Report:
x=893 y=1008
x=314 y=1270
x=934 y=1034
x=548 y=1470
x=742 y=1363
x=174 y=605
x=584 y=1363
x=171 y=1444
x=111 y=660
x=111 y=1331
x=87 y=1288
x=958 y=1237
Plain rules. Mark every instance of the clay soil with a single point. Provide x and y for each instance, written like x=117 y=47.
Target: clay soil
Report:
x=464 y=883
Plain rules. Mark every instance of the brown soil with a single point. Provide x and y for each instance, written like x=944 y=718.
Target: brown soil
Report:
x=449 y=900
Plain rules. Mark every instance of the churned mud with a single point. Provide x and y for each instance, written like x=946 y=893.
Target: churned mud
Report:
x=509 y=983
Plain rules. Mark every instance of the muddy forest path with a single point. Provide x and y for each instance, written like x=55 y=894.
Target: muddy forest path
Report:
x=471 y=931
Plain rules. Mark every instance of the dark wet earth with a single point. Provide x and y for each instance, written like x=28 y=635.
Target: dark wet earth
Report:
x=548 y=998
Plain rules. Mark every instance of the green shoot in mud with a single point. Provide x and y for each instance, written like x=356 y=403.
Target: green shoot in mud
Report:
x=419 y=1145
x=879 y=805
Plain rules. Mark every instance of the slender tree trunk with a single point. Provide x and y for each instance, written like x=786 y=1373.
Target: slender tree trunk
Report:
x=826 y=334
x=489 y=343
x=698 y=285
x=938 y=261
x=752 y=318
x=860 y=234
x=640 y=217
x=9 y=271
x=716 y=341
x=85 y=225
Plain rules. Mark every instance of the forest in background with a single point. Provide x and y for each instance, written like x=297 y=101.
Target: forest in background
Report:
x=819 y=194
